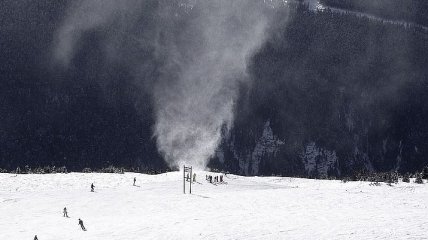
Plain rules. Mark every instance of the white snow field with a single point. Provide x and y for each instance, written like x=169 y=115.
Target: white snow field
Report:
x=245 y=208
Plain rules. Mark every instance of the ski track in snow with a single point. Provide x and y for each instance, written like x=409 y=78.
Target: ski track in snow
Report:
x=245 y=208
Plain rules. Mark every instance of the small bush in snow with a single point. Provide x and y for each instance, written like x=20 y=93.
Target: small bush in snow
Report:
x=39 y=170
x=406 y=178
x=346 y=179
x=375 y=184
x=419 y=179
x=112 y=169
x=425 y=172
x=28 y=169
x=17 y=171
x=62 y=169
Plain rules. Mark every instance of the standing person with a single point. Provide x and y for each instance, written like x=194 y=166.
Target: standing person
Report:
x=81 y=224
x=135 y=179
x=194 y=177
x=35 y=238
x=65 y=212
x=92 y=187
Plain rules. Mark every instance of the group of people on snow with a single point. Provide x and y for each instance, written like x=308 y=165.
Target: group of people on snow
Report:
x=209 y=178
x=80 y=220
x=65 y=212
x=215 y=179
x=188 y=177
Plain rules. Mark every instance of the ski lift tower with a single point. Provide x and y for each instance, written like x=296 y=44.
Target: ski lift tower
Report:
x=187 y=170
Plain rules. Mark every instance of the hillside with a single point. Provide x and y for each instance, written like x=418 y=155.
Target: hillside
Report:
x=324 y=93
x=244 y=208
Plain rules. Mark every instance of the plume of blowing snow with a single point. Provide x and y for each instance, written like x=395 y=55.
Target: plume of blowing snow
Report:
x=202 y=64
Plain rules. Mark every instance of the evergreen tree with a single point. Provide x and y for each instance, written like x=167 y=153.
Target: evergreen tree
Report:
x=419 y=179
x=406 y=178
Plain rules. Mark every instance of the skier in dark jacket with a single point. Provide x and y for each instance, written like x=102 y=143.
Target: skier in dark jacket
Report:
x=135 y=179
x=65 y=212
x=92 y=187
x=35 y=238
x=81 y=224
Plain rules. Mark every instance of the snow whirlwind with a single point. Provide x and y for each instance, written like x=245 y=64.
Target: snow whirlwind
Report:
x=197 y=49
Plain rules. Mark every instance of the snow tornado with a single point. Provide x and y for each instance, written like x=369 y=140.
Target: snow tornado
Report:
x=192 y=111
x=202 y=65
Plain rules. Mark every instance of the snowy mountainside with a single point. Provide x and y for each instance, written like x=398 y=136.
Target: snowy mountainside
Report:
x=266 y=146
x=319 y=161
x=244 y=208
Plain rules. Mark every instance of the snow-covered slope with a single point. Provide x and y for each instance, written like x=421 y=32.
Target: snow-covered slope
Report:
x=245 y=208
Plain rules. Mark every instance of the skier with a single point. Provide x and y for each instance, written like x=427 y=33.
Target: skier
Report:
x=194 y=177
x=135 y=179
x=35 y=238
x=92 y=187
x=81 y=224
x=221 y=178
x=65 y=212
